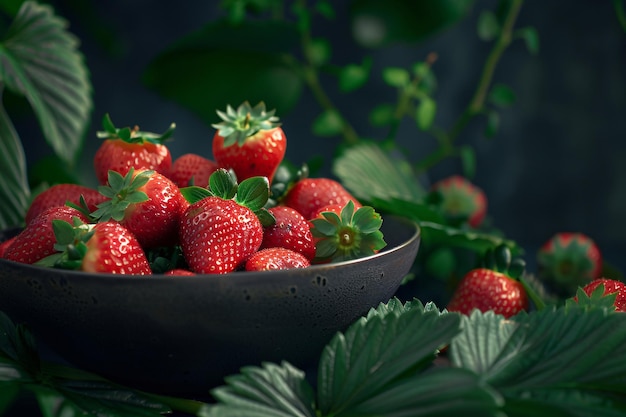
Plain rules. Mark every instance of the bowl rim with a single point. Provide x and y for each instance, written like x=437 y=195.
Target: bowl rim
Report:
x=238 y=275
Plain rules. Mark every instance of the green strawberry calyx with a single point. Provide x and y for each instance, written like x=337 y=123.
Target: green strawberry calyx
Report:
x=567 y=263
x=596 y=299
x=133 y=135
x=350 y=235
x=238 y=125
x=253 y=192
x=71 y=244
x=121 y=192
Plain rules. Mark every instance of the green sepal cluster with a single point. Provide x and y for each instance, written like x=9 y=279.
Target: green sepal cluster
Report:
x=597 y=299
x=133 y=135
x=253 y=193
x=71 y=244
x=121 y=192
x=238 y=125
x=350 y=235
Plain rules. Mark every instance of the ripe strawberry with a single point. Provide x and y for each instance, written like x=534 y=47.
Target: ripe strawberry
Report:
x=126 y=148
x=192 y=169
x=603 y=287
x=146 y=203
x=291 y=230
x=4 y=245
x=348 y=235
x=179 y=272
x=493 y=288
x=59 y=194
x=568 y=260
x=308 y=195
x=106 y=247
x=461 y=200
x=249 y=141
x=223 y=227
x=276 y=258
x=37 y=239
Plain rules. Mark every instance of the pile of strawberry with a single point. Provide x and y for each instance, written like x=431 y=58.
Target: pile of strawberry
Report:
x=193 y=215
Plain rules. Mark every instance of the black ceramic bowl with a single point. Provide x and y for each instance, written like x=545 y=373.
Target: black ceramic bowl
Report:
x=184 y=334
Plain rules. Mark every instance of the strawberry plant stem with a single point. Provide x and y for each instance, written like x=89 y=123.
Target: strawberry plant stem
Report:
x=476 y=104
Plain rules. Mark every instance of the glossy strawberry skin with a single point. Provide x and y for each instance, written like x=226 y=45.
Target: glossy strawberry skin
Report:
x=486 y=290
x=461 y=199
x=155 y=222
x=37 y=239
x=192 y=168
x=113 y=249
x=59 y=194
x=610 y=286
x=118 y=155
x=308 y=195
x=291 y=231
x=4 y=245
x=218 y=235
x=276 y=258
x=259 y=155
x=177 y=272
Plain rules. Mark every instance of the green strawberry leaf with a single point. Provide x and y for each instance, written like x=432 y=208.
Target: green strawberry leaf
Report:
x=370 y=173
x=223 y=184
x=194 y=193
x=9 y=392
x=15 y=192
x=533 y=357
x=437 y=392
x=59 y=89
x=268 y=391
x=217 y=57
x=378 y=351
x=253 y=193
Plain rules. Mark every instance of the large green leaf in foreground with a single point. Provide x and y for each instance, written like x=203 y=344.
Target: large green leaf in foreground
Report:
x=555 y=362
x=39 y=60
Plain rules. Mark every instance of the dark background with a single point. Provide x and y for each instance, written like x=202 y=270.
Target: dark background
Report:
x=556 y=163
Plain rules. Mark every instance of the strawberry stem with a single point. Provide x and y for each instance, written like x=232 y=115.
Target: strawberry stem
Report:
x=532 y=294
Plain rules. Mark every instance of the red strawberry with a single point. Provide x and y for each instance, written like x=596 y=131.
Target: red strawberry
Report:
x=106 y=247
x=222 y=229
x=461 y=200
x=179 y=272
x=568 y=261
x=192 y=169
x=494 y=288
x=4 y=245
x=291 y=230
x=37 y=240
x=276 y=258
x=146 y=203
x=249 y=141
x=308 y=195
x=126 y=148
x=59 y=194
x=609 y=286
x=348 y=235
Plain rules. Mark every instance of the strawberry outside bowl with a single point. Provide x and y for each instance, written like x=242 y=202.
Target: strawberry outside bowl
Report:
x=183 y=335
